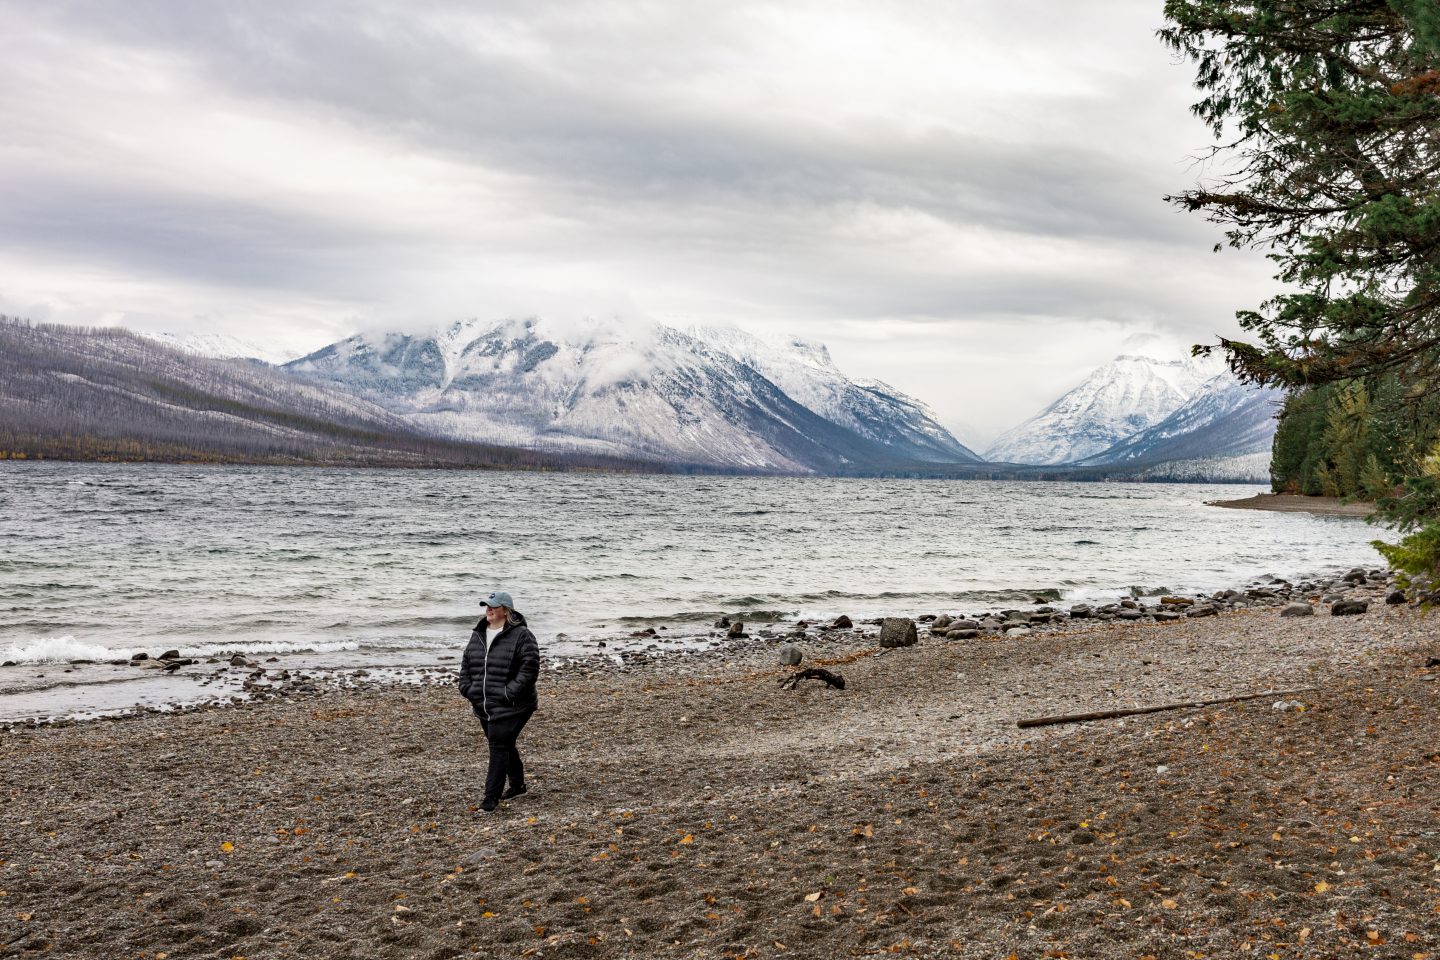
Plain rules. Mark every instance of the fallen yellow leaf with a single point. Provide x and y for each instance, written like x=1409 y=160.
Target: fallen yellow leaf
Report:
x=227 y=847
x=687 y=839
x=812 y=897
x=1321 y=887
x=1168 y=904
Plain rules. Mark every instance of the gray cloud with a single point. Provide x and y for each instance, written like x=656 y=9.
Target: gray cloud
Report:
x=949 y=177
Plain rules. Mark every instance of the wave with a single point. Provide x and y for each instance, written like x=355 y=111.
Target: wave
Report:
x=698 y=616
x=57 y=649
x=67 y=648
x=464 y=620
x=781 y=601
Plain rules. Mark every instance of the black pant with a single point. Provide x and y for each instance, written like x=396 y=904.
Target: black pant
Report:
x=502 y=732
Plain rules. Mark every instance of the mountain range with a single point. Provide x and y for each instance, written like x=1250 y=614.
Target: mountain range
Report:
x=711 y=397
x=610 y=394
x=1136 y=413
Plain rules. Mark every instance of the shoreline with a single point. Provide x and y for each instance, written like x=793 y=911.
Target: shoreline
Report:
x=1296 y=503
x=690 y=807
x=185 y=683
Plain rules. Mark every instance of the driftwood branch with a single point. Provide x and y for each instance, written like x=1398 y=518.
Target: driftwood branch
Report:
x=1136 y=711
x=813 y=673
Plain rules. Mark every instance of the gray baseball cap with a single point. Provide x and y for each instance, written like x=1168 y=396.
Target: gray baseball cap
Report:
x=499 y=599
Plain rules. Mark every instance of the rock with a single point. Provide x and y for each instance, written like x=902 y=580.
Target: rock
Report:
x=940 y=623
x=990 y=623
x=1165 y=616
x=1347 y=608
x=898 y=632
x=737 y=630
x=1297 y=610
x=1395 y=596
x=966 y=634
x=239 y=661
x=1129 y=614
x=842 y=622
x=1017 y=631
x=1200 y=610
x=1177 y=601
x=1129 y=604
x=790 y=655
x=170 y=655
x=142 y=655
x=722 y=622
x=1082 y=611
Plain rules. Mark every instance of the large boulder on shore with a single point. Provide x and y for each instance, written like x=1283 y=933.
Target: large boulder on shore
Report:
x=1297 y=610
x=790 y=655
x=1345 y=608
x=898 y=632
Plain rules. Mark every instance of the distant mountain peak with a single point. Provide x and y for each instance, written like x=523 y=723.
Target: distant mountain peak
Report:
x=1122 y=397
x=714 y=396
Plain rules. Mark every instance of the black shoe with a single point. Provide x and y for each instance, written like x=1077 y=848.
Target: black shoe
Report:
x=514 y=792
x=489 y=805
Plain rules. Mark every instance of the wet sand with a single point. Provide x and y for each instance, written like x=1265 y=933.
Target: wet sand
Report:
x=692 y=808
x=1295 y=503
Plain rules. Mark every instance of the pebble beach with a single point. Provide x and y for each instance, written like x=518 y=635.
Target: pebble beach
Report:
x=688 y=806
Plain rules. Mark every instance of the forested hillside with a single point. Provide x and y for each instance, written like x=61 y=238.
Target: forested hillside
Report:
x=1339 y=440
x=108 y=394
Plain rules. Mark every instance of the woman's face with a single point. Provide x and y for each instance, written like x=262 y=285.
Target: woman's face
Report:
x=496 y=615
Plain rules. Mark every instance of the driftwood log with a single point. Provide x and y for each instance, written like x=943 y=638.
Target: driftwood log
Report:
x=813 y=673
x=1136 y=711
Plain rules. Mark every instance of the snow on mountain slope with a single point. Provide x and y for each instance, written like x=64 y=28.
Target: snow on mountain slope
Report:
x=632 y=389
x=875 y=410
x=1121 y=398
x=1225 y=418
x=220 y=346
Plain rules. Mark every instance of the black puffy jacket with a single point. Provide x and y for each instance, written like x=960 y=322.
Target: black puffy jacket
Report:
x=500 y=682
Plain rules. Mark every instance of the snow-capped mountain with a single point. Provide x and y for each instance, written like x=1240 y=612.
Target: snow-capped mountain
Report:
x=718 y=398
x=875 y=410
x=1125 y=396
x=220 y=346
x=1224 y=418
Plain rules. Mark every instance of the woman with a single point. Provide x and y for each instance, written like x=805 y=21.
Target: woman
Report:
x=498 y=671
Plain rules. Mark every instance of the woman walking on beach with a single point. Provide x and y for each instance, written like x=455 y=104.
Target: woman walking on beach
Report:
x=498 y=671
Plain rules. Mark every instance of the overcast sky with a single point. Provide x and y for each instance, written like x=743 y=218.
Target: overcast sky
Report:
x=963 y=199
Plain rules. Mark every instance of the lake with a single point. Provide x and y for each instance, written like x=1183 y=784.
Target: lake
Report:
x=100 y=560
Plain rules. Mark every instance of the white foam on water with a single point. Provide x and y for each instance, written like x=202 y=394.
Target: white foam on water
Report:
x=67 y=648
x=267 y=646
x=56 y=649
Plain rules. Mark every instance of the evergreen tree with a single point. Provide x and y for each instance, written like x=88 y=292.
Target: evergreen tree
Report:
x=1326 y=113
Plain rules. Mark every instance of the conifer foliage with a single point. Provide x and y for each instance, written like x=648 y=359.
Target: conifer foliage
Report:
x=1326 y=115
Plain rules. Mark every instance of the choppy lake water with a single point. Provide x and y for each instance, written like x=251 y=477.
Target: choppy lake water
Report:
x=370 y=567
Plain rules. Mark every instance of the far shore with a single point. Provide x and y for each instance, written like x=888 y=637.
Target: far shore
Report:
x=1296 y=503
